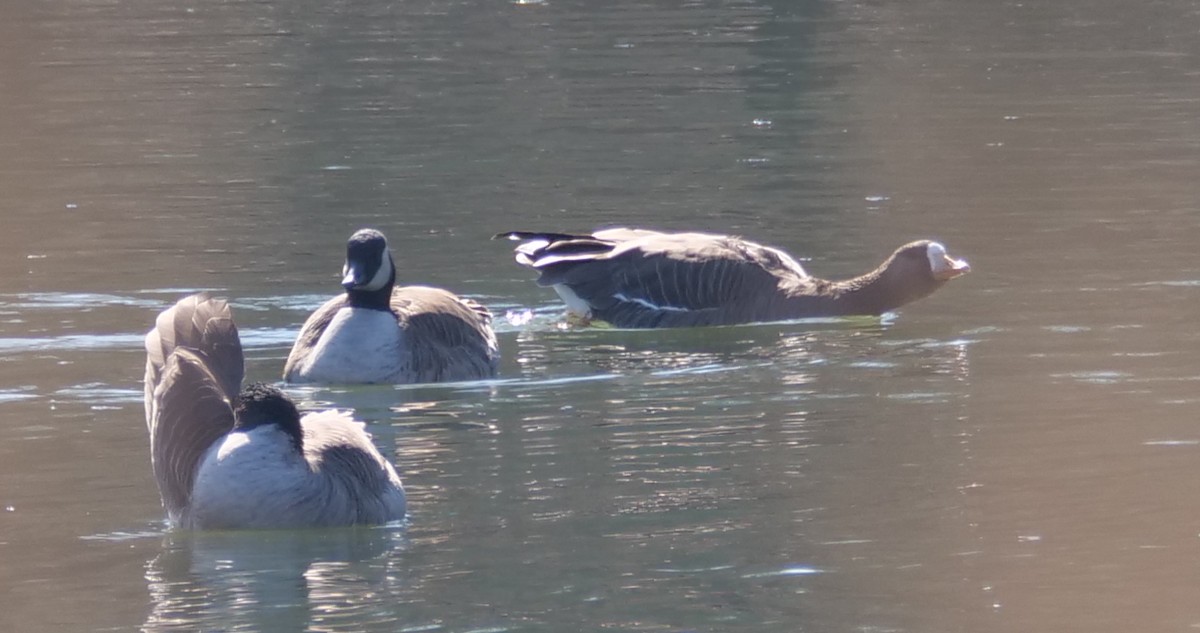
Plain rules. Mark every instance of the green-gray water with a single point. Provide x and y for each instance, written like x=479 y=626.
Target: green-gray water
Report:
x=1014 y=453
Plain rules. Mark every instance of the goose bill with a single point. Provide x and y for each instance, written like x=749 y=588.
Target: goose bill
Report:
x=953 y=268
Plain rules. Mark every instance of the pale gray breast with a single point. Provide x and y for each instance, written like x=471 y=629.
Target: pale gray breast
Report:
x=359 y=345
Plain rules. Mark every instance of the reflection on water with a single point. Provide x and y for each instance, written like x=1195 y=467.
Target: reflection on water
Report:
x=275 y=581
x=1013 y=453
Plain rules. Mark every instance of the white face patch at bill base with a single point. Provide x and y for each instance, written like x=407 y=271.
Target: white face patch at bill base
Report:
x=937 y=256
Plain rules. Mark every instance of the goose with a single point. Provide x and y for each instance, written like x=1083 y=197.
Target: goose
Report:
x=639 y=278
x=377 y=333
x=225 y=457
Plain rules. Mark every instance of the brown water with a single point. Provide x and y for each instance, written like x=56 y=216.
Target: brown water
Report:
x=1015 y=453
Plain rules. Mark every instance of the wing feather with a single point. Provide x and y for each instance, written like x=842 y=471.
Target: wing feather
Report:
x=364 y=486
x=192 y=414
x=448 y=337
x=194 y=369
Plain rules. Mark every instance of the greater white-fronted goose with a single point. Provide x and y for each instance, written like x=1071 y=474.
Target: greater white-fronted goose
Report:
x=377 y=333
x=230 y=458
x=637 y=278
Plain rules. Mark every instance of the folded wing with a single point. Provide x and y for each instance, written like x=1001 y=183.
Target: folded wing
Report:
x=448 y=337
x=641 y=278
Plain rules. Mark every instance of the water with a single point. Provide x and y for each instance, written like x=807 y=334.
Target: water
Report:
x=1015 y=452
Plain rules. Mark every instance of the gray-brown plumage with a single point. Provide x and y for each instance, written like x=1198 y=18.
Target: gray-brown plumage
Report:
x=637 y=278
x=225 y=458
x=377 y=333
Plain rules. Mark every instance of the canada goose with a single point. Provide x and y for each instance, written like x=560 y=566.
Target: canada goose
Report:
x=375 y=333
x=229 y=459
x=636 y=278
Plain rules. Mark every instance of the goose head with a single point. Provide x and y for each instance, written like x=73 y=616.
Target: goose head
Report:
x=260 y=404
x=916 y=270
x=913 y=271
x=921 y=264
x=942 y=266
x=369 y=266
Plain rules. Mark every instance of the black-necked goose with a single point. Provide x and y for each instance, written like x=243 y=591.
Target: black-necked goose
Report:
x=376 y=333
x=636 y=278
x=226 y=457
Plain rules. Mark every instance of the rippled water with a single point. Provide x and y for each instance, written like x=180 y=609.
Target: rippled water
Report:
x=1015 y=452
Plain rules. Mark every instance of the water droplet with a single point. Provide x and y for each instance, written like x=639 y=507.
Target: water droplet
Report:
x=762 y=122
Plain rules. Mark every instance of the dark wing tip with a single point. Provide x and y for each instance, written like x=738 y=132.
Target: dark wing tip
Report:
x=541 y=235
x=523 y=235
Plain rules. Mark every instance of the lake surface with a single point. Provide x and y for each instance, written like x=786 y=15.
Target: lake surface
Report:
x=1015 y=453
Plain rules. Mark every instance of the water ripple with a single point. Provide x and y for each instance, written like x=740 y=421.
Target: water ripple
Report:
x=16 y=394
x=100 y=393
x=75 y=342
x=75 y=300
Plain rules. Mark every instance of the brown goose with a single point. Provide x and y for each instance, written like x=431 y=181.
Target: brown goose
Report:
x=228 y=457
x=637 y=278
x=377 y=333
